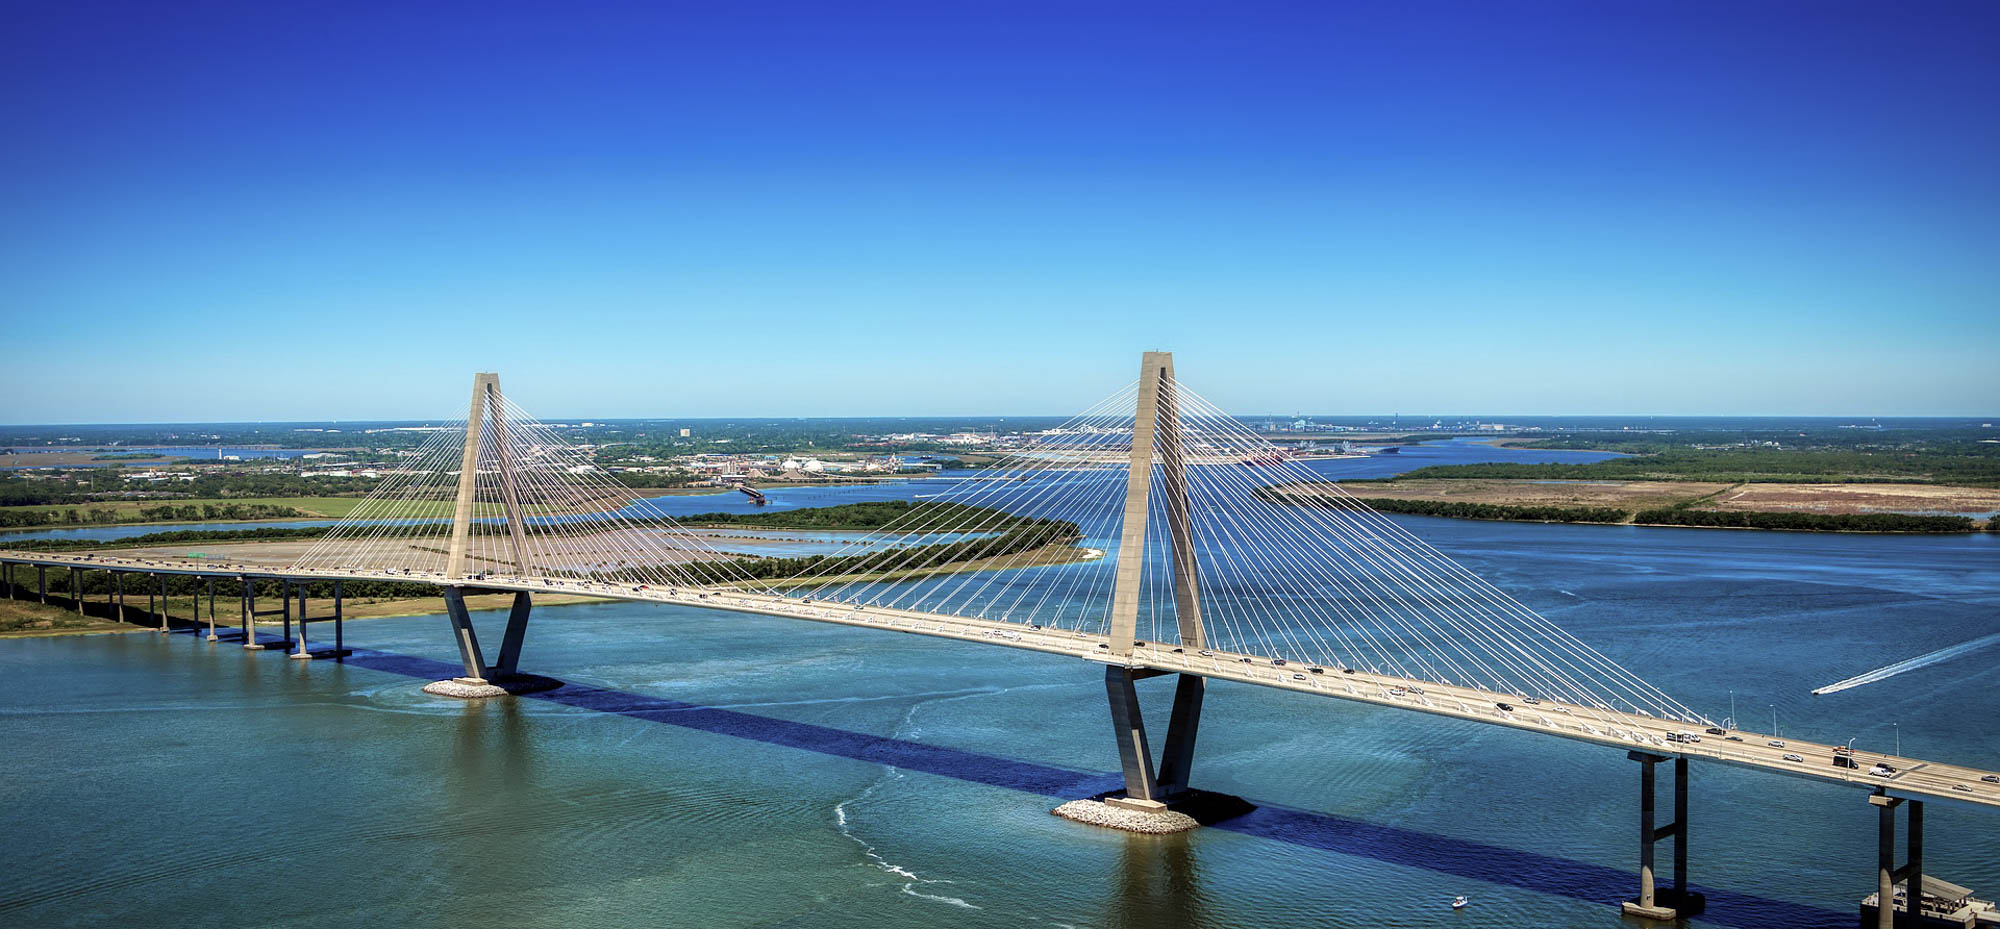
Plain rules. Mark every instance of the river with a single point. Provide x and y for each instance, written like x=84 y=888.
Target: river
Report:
x=714 y=769
x=788 y=498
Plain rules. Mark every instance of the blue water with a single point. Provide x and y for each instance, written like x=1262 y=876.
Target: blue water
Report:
x=716 y=769
x=727 y=769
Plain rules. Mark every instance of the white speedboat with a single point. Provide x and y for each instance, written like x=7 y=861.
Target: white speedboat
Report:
x=1459 y=903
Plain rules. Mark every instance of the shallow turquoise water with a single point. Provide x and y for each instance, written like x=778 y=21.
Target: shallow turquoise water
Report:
x=154 y=780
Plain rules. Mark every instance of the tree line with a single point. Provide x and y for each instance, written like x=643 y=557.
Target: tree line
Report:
x=1026 y=535
x=1811 y=522
x=106 y=516
x=1974 y=465
x=1532 y=513
x=96 y=583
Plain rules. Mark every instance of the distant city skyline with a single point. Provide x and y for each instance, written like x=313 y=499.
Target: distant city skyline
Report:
x=254 y=212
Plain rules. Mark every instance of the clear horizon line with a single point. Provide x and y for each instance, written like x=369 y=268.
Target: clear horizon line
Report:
x=1494 y=417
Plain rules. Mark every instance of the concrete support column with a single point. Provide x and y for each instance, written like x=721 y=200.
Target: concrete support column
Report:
x=1681 y=884
x=339 y=648
x=42 y=583
x=1648 y=898
x=160 y=590
x=1913 y=866
x=517 y=630
x=1885 y=860
x=76 y=588
x=250 y=616
x=1129 y=728
x=1177 y=758
x=462 y=632
x=211 y=610
x=285 y=599
x=1147 y=787
x=1887 y=875
x=118 y=580
x=1653 y=902
x=302 y=653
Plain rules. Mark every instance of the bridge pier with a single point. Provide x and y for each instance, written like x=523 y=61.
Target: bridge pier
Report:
x=159 y=588
x=517 y=632
x=482 y=679
x=42 y=583
x=339 y=649
x=250 y=614
x=302 y=654
x=1147 y=787
x=1887 y=875
x=246 y=606
x=1676 y=901
x=462 y=633
x=76 y=588
x=211 y=610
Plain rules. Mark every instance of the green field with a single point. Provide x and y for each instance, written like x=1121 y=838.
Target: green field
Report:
x=20 y=618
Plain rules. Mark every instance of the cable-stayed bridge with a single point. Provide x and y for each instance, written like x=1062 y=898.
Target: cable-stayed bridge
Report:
x=1152 y=534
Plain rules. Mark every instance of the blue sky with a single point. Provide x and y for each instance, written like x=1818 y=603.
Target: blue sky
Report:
x=340 y=210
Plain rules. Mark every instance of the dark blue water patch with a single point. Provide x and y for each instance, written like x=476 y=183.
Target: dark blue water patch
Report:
x=1303 y=828
x=1500 y=865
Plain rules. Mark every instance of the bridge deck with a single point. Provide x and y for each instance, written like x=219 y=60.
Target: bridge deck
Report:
x=1914 y=778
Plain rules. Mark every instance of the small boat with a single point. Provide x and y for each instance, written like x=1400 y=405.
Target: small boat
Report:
x=1459 y=903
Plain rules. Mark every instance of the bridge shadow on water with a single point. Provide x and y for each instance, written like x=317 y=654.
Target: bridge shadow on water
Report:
x=1304 y=828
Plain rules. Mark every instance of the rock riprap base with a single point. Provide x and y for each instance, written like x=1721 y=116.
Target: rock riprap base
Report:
x=472 y=689
x=1099 y=813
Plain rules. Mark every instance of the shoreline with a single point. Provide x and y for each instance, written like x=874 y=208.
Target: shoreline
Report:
x=1975 y=531
x=1871 y=507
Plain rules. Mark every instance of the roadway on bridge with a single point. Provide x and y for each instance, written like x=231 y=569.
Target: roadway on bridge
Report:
x=1914 y=778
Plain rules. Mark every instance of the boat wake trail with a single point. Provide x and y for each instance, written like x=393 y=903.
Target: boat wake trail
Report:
x=1909 y=664
x=911 y=881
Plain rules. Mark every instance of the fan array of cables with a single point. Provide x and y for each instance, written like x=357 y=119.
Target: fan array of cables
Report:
x=574 y=520
x=1288 y=564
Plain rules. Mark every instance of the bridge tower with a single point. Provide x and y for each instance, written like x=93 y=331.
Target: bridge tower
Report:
x=486 y=400
x=1156 y=437
x=487 y=403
